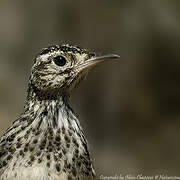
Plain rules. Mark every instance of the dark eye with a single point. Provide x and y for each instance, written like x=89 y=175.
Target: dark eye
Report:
x=59 y=60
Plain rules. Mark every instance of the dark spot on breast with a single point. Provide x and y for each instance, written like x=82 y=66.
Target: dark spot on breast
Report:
x=21 y=153
x=29 y=162
x=75 y=142
x=58 y=167
x=2 y=141
x=74 y=172
x=89 y=168
x=60 y=155
x=54 y=122
x=50 y=130
x=48 y=164
x=77 y=151
x=58 y=138
x=11 y=138
x=28 y=131
x=37 y=133
x=14 y=165
x=70 y=128
x=35 y=141
x=78 y=134
x=73 y=159
x=79 y=164
x=18 y=145
x=68 y=145
x=86 y=162
x=27 y=144
x=63 y=130
x=12 y=149
x=9 y=157
x=4 y=163
x=57 y=144
x=39 y=160
x=23 y=127
x=68 y=166
x=76 y=155
x=87 y=173
x=65 y=162
x=70 y=133
x=31 y=148
x=81 y=157
x=48 y=156
x=2 y=153
x=55 y=158
x=43 y=143
x=41 y=147
x=67 y=139
x=50 y=149
x=19 y=139
x=26 y=136
x=38 y=153
x=58 y=131
x=44 y=113
x=64 y=151
x=32 y=158
x=25 y=149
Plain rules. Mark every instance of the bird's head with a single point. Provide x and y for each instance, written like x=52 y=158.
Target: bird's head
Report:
x=57 y=70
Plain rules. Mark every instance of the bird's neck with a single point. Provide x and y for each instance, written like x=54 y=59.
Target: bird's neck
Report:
x=49 y=127
x=51 y=111
x=55 y=121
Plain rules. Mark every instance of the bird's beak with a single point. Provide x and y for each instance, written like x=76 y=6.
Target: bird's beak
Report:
x=95 y=60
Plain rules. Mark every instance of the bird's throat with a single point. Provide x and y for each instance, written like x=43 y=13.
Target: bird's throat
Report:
x=54 y=114
x=49 y=133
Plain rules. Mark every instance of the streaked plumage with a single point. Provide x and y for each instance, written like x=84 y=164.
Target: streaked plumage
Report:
x=47 y=142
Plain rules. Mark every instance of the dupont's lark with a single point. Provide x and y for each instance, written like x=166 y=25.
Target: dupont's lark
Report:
x=47 y=142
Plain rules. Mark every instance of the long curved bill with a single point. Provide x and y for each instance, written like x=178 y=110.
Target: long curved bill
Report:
x=95 y=60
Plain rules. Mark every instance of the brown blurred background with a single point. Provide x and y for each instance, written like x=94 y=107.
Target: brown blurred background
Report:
x=129 y=109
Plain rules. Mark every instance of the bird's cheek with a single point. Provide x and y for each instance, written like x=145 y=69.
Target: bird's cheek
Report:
x=75 y=81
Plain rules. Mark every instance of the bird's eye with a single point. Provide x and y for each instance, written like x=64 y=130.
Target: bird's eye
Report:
x=60 y=60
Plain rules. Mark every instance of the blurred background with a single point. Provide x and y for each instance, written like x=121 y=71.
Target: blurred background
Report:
x=130 y=108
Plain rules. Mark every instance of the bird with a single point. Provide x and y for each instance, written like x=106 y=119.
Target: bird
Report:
x=47 y=142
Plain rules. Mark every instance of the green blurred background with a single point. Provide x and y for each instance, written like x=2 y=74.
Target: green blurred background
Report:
x=129 y=109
